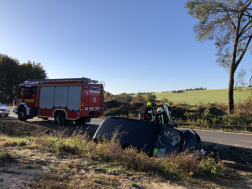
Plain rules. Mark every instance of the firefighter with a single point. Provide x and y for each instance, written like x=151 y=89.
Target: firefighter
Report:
x=149 y=111
x=161 y=117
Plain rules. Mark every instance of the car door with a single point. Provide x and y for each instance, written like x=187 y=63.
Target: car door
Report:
x=20 y=95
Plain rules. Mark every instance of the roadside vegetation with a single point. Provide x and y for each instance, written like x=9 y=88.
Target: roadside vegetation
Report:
x=200 y=115
x=103 y=163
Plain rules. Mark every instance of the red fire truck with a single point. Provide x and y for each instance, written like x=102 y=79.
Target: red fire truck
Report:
x=77 y=99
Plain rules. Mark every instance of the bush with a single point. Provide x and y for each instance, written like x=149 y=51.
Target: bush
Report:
x=5 y=157
x=210 y=167
x=192 y=116
x=149 y=97
x=165 y=100
x=124 y=97
x=107 y=96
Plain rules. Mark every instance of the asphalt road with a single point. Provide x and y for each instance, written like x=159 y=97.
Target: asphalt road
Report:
x=207 y=137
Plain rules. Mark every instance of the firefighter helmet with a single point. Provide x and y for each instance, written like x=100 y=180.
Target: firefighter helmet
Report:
x=148 y=104
x=160 y=110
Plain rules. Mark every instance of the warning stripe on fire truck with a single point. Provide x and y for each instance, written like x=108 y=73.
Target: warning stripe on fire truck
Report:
x=29 y=100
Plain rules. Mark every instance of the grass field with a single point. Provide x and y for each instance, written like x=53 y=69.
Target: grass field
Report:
x=204 y=96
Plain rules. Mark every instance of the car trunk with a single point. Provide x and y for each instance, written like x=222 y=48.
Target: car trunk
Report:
x=130 y=132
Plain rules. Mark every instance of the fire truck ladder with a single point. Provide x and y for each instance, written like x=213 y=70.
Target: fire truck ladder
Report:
x=87 y=80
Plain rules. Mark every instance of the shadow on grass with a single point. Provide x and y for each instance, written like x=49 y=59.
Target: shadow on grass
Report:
x=49 y=126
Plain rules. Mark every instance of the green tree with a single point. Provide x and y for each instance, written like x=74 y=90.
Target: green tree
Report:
x=8 y=77
x=12 y=73
x=149 y=97
x=31 y=70
x=107 y=96
x=124 y=97
x=229 y=23
x=139 y=95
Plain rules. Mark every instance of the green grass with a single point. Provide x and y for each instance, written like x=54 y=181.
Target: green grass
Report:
x=132 y=183
x=204 y=96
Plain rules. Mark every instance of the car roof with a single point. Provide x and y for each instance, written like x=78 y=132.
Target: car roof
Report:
x=133 y=132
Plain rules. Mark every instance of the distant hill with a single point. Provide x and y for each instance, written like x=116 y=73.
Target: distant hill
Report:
x=205 y=96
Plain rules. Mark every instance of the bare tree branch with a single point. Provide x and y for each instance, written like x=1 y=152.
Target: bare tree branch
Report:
x=230 y=20
x=244 y=28
x=248 y=36
x=248 y=15
x=246 y=7
x=243 y=52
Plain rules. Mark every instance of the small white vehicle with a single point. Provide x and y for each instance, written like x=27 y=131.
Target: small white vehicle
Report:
x=4 y=110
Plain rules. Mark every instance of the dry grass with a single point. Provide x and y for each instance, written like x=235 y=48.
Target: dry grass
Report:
x=110 y=153
x=5 y=157
x=72 y=175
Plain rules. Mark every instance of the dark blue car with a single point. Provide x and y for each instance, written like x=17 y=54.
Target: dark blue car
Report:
x=153 y=138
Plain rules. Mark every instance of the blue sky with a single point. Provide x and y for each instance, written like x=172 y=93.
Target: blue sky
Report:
x=131 y=45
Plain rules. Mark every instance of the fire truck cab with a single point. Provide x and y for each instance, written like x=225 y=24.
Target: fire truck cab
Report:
x=77 y=99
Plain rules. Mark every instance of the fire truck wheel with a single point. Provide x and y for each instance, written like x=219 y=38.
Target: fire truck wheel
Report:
x=22 y=114
x=60 y=118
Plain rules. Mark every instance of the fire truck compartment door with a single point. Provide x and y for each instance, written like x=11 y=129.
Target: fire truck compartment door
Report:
x=74 y=99
x=94 y=99
x=60 y=98
x=46 y=97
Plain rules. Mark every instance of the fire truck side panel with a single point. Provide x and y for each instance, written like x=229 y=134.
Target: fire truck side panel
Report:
x=74 y=102
x=46 y=100
x=45 y=113
x=61 y=96
x=46 y=97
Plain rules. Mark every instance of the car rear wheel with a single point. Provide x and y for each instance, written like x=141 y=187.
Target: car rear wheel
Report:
x=22 y=114
x=60 y=118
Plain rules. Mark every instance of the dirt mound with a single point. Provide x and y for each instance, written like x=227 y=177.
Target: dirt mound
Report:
x=112 y=104
x=178 y=112
x=213 y=111
x=114 y=108
x=19 y=128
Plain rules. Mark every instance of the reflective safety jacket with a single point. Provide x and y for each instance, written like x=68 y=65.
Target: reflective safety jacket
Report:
x=149 y=112
x=161 y=118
